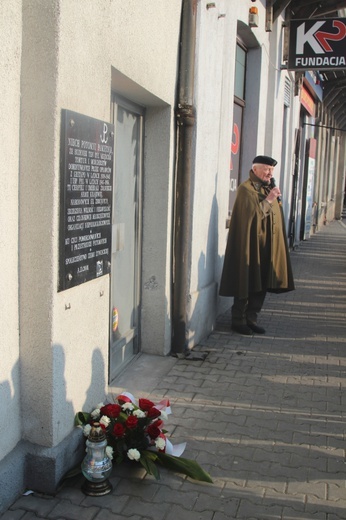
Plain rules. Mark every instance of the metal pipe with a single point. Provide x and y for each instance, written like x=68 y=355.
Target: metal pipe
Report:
x=185 y=114
x=325 y=126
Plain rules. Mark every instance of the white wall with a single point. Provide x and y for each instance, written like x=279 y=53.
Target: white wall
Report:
x=261 y=134
x=216 y=32
x=69 y=59
x=10 y=407
x=73 y=55
x=10 y=62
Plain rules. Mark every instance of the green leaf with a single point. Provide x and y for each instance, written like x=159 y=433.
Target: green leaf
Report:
x=188 y=467
x=150 y=454
x=81 y=418
x=150 y=466
x=119 y=459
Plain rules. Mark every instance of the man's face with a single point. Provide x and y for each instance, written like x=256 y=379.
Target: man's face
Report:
x=263 y=171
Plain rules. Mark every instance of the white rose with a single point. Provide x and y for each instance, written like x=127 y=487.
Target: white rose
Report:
x=95 y=413
x=86 y=430
x=133 y=454
x=109 y=452
x=139 y=413
x=160 y=443
x=127 y=406
x=105 y=420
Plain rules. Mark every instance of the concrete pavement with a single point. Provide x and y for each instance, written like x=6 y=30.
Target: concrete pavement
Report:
x=265 y=415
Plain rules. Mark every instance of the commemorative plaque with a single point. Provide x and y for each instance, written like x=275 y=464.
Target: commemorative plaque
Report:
x=86 y=170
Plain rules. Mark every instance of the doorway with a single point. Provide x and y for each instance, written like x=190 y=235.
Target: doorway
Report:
x=128 y=120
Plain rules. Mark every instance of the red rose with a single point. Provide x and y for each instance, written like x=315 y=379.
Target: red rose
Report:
x=157 y=423
x=145 y=404
x=131 y=422
x=153 y=431
x=153 y=413
x=118 y=430
x=111 y=410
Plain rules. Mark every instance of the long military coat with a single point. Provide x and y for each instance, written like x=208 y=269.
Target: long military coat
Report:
x=257 y=256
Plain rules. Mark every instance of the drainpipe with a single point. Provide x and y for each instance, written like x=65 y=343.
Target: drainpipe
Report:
x=185 y=114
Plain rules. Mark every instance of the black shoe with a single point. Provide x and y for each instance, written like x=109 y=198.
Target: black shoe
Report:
x=242 y=329
x=256 y=328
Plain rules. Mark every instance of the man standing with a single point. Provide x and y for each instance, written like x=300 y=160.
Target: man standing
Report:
x=257 y=258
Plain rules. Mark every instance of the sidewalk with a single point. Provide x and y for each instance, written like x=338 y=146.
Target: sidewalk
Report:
x=265 y=415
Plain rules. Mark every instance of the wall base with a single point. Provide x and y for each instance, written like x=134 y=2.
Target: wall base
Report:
x=29 y=466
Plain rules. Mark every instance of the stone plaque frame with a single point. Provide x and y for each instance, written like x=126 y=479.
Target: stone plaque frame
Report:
x=86 y=185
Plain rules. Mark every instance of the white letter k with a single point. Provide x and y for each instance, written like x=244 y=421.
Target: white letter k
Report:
x=308 y=37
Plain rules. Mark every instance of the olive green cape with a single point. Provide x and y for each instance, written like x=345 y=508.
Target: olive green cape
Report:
x=257 y=256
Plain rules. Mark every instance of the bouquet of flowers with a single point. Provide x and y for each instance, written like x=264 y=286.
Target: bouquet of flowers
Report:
x=135 y=431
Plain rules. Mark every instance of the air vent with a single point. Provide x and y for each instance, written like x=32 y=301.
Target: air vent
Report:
x=287 y=92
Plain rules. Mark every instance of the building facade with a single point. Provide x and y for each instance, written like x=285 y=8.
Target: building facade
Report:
x=190 y=92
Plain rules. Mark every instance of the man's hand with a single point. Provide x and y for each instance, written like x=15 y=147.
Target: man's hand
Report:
x=273 y=194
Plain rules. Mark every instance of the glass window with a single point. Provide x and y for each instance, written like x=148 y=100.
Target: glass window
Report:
x=240 y=67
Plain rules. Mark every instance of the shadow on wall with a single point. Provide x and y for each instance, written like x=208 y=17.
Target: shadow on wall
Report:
x=97 y=384
x=12 y=465
x=205 y=303
x=46 y=467
x=41 y=468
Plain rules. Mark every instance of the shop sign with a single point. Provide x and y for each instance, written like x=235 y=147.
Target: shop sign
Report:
x=307 y=101
x=317 y=44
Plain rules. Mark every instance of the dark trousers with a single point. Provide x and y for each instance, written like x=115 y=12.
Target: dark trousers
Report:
x=246 y=310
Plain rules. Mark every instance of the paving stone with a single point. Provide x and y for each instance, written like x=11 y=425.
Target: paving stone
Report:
x=314 y=489
x=186 y=499
x=221 y=504
x=296 y=513
x=32 y=516
x=75 y=495
x=223 y=516
x=113 y=502
x=142 y=489
x=183 y=514
x=108 y=515
x=13 y=515
x=333 y=515
x=149 y=509
x=39 y=505
x=64 y=509
x=248 y=509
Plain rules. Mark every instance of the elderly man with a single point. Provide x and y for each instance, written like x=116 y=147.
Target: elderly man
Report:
x=257 y=258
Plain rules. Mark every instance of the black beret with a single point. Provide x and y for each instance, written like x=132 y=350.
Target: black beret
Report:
x=264 y=159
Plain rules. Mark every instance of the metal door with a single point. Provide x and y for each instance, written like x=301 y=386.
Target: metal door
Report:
x=126 y=234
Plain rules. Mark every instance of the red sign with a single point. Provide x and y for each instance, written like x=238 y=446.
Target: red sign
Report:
x=235 y=155
x=307 y=101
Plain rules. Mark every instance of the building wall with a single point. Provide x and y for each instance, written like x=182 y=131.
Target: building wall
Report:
x=262 y=133
x=10 y=66
x=74 y=54
x=83 y=42
x=213 y=97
